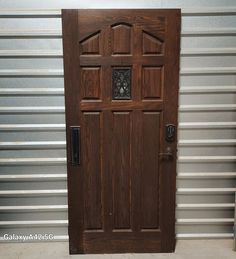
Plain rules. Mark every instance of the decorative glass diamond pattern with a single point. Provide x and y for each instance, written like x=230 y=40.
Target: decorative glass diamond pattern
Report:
x=121 y=83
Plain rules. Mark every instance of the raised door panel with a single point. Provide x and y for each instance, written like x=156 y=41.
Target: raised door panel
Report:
x=92 y=162
x=152 y=82
x=90 y=82
x=121 y=166
x=122 y=39
x=150 y=184
x=152 y=45
x=91 y=44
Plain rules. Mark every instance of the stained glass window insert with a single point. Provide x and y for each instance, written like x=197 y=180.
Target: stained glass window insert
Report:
x=121 y=83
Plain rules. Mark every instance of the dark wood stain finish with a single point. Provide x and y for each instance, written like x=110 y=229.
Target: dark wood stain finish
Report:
x=122 y=196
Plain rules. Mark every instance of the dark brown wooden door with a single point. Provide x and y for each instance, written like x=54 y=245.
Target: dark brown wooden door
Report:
x=121 y=87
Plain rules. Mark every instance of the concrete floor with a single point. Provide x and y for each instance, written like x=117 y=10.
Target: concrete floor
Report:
x=185 y=249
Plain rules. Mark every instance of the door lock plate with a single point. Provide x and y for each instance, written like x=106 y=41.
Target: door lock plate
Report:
x=170 y=132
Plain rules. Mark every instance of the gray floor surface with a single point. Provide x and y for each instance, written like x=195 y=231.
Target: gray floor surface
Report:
x=185 y=249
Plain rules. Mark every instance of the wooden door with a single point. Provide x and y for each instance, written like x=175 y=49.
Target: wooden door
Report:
x=121 y=87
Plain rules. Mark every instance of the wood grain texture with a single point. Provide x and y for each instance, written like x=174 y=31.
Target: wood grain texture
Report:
x=152 y=45
x=121 y=170
x=90 y=82
x=121 y=39
x=90 y=45
x=127 y=189
x=91 y=135
x=75 y=177
x=170 y=115
x=152 y=82
x=150 y=207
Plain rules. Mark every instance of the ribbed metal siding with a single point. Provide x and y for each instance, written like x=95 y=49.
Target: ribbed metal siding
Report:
x=33 y=173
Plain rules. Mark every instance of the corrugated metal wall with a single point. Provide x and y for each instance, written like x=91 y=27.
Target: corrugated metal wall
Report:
x=32 y=131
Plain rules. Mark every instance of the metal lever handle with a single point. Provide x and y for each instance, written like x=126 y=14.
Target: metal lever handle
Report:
x=75 y=145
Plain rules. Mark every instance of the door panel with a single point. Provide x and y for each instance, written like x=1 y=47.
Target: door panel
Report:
x=92 y=167
x=121 y=87
x=122 y=39
x=150 y=171
x=152 y=82
x=90 y=82
x=121 y=165
x=152 y=45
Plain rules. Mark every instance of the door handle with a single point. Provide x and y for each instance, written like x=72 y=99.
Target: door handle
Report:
x=168 y=154
x=75 y=145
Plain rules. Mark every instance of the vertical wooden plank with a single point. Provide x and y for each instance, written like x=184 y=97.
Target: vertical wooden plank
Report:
x=170 y=115
x=75 y=173
x=106 y=50
x=150 y=171
x=121 y=169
